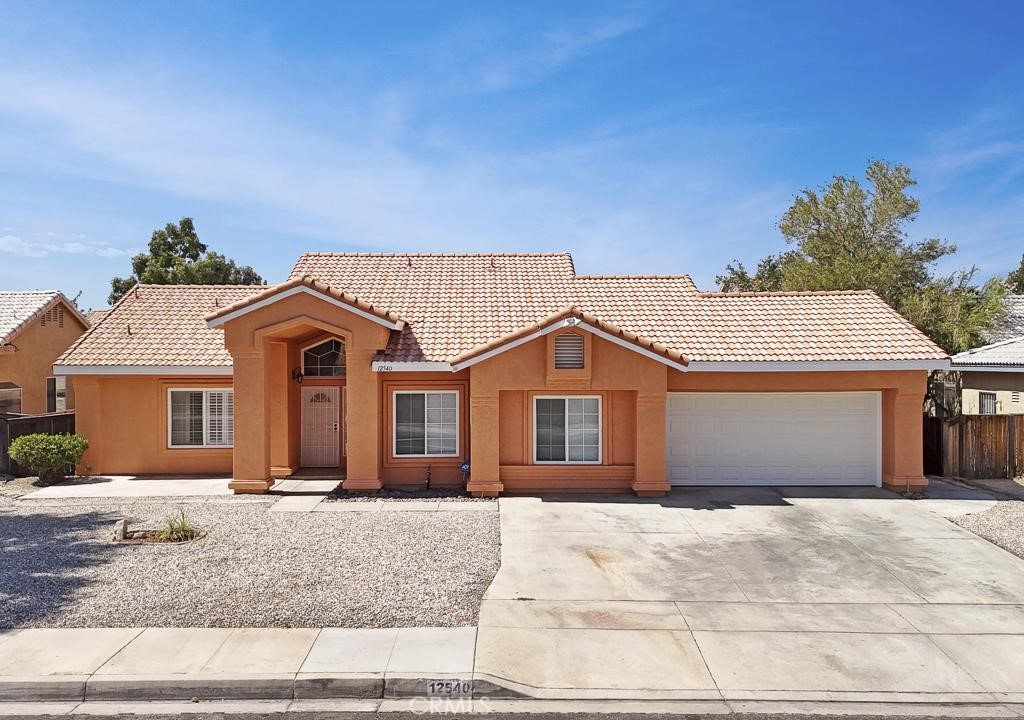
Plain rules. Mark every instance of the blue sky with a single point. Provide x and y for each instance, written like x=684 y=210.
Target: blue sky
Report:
x=641 y=136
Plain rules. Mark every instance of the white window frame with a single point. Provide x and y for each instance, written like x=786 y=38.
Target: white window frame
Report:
x=394 y=423
x=600 y=430
x=206 y=417
x=318 y=343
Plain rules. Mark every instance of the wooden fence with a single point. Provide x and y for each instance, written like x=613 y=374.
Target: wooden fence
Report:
x=14 y=426
x=974 y=446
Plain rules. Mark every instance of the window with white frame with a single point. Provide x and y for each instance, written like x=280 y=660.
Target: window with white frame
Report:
x=201 y=418
x=567 y=429
x=426 y=423
x=56 y=394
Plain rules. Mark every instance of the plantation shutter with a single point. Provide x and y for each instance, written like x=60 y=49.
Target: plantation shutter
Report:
x=569 y=351
x=220 y=408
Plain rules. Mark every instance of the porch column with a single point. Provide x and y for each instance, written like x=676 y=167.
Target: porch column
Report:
x=649 y=479
x=363 y=415
x=251 y=456
x=484 y=475
x=903 y=439
x=278 y=379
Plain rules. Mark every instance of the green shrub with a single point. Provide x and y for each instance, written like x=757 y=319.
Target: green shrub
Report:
x=177 y=529
x=48 y=456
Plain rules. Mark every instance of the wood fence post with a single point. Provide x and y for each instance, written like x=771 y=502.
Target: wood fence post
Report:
x=1011 y=446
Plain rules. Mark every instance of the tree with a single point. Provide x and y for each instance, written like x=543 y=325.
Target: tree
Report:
x=1015 y=280
x=851 y=237
x=177 y=257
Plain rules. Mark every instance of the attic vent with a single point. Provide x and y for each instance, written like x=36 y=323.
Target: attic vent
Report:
x=569 y=351
x=53 y=315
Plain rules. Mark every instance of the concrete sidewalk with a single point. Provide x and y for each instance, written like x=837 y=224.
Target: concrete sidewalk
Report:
x=221 y=663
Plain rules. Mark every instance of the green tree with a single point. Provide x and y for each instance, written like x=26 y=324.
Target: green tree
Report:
x=1015 y=280
x=177 y=257
x=849 y=236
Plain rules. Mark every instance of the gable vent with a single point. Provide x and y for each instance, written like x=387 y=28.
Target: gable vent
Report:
x=569 y=351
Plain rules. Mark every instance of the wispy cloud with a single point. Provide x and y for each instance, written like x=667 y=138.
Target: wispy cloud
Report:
x=14 y=245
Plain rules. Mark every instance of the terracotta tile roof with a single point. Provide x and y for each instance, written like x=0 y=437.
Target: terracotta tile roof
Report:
x=159 y=325
x=584 y=318
x=94 y=316
x=1005 y=353
x=313 y=284
x=452 y=305
x=21 y=308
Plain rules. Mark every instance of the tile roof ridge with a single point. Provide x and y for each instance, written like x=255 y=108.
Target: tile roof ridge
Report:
x=783 y=293
x=197 y=285
x=29 y=292
x=637 y=276
x=342 y=253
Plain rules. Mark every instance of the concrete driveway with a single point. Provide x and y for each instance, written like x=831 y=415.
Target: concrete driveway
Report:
x=742 y=593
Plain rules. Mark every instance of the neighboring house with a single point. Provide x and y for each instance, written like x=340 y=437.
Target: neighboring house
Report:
x=36 y=327
x=94 y=316
x=395 y=369
x=992 y=376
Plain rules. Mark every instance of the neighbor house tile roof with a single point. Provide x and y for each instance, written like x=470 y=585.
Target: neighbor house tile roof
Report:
x=19 y=309
x=456 y=305
x=1013 y=322
x=159 y=325
x=1005 y=353
x=94 y=316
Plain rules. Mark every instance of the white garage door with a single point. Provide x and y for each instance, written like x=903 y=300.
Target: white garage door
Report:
x=774 y=438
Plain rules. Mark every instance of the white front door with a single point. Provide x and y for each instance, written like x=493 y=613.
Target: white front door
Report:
x=825 y=438
x=321 y=415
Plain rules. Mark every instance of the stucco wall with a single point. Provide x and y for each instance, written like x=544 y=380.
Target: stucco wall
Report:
x=125 y=420
x=1008 y=387
x=38 y=347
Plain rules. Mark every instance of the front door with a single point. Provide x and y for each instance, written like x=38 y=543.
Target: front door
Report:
x=321 y=420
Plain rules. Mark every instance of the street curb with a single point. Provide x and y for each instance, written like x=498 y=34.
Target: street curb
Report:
x=56 y=687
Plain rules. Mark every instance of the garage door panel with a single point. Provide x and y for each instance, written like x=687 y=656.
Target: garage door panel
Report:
x=773 y=438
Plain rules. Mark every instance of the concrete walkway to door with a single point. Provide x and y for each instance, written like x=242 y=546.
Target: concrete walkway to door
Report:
x=753 y=593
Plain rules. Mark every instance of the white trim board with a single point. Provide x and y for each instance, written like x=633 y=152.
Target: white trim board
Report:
x=988 y=368
x=817 y=365
x=383 y=366
x=218 y=370
x=297 y=290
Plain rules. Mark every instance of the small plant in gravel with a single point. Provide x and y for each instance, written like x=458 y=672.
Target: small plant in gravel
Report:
x=177 y=528
x=48 y=456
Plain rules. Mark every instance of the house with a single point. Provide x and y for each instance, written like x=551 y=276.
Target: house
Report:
x=396 y=369
x=36 y=327
x=991 y=377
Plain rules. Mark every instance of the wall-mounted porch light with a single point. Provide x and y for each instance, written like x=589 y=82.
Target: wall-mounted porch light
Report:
x=297 y=375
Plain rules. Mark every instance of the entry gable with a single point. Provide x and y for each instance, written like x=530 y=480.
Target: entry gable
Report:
x=309 y=286
x=572 y=317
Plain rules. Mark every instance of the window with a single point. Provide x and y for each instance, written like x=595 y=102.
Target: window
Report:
x=10 y=398
x=987 y=401
x=56 y=394
x=426 y=423
x=569 y=351
x=324 y=360
x=201 y=418
x=567 y=429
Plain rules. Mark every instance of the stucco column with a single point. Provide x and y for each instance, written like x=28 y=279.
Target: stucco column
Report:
x=650 y=480
x=364 y=417
x=904 y=436
x=278 y=379
x=484 y=475
x=251 y=456
x=89 y=422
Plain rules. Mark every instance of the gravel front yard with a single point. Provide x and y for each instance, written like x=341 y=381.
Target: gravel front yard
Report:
x=1002 y=524
x=255 y=568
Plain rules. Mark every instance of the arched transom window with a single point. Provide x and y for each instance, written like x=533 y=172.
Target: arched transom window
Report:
x=324 y=360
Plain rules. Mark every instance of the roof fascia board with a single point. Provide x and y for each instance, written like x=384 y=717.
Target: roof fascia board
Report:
x=218 y=321
x=817 y=365
x=143 y=370
x=988 y=368
x=383 y=366
x=569 y=322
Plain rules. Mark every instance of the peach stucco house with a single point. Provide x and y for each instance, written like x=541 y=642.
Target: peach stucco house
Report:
x=396 y=369
x=36 y=327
